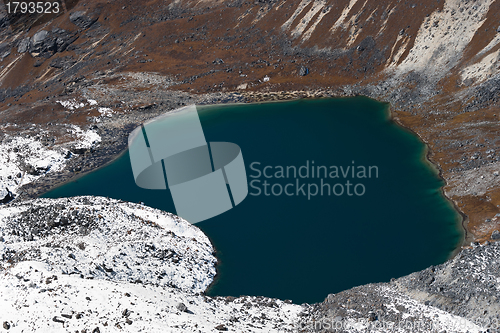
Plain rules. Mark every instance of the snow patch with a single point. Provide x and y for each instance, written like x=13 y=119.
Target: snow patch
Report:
x=343 y=16
x=24 y=160
x=304 y=22
x=483 y=69
x=438 y=319
x=71 y=104
x=297 y=12
x=85 y=138
x=307 y=34
x=105 y=112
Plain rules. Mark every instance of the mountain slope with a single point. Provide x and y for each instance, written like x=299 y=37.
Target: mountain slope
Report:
x=436 y=62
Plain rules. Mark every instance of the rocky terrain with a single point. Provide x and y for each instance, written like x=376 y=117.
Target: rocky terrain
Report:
x=460 y=295
x=73 y=85
x=436 y=62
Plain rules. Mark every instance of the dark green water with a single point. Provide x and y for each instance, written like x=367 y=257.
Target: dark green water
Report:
x=294 y=248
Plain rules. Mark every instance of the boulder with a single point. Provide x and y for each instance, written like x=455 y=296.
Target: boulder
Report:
x=45 y=44
x=7 y=198
x=42 y=44
x=36 y=171
x=4 y=22
x=181 y=307
x=495 y=235
x=303 y=71
x=4 y=50
x=23 y=45
x=63 y=38
x=81 y=20
x=39 y=37
x=63 y=62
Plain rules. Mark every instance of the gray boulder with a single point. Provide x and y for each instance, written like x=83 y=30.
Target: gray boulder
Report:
x=4 y=21
x=181 y=307
x=42 y=44
x=81 y=20
x=63 y=62
x=7 y=198
x=303 y=71
x=495 y=235
x=39 y=37
x=23 y=45
x=45 y=44
x=4 y=50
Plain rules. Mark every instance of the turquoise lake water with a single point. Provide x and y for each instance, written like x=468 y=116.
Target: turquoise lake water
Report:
x=294 y=247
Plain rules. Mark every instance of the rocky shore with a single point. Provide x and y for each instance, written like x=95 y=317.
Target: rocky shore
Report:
x=460 y=295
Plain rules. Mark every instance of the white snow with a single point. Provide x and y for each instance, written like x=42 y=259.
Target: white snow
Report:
x=71 y=104
x=84 y=138
x=307 y=34
x=438 y=319
x=343 y=16
x=24 y=159
x=120 y=235
x=106 y=112
x=393 y=59
x=483 y=69
x=494 y=42
x=304 y=22
x=303 y=4
x=17 y=153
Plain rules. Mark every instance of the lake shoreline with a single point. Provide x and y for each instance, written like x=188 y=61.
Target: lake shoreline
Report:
x=466 y=236
x=383 y=114
x=260 y=97
x=257 y=98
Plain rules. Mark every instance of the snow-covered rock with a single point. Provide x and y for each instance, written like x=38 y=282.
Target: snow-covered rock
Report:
x=84 y=138
x=25 y=159
x=72 y=104
x=105 y=239
x=460 y=295
x=91 y=264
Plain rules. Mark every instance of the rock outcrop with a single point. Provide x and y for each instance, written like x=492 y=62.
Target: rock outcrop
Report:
x=460 y=295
